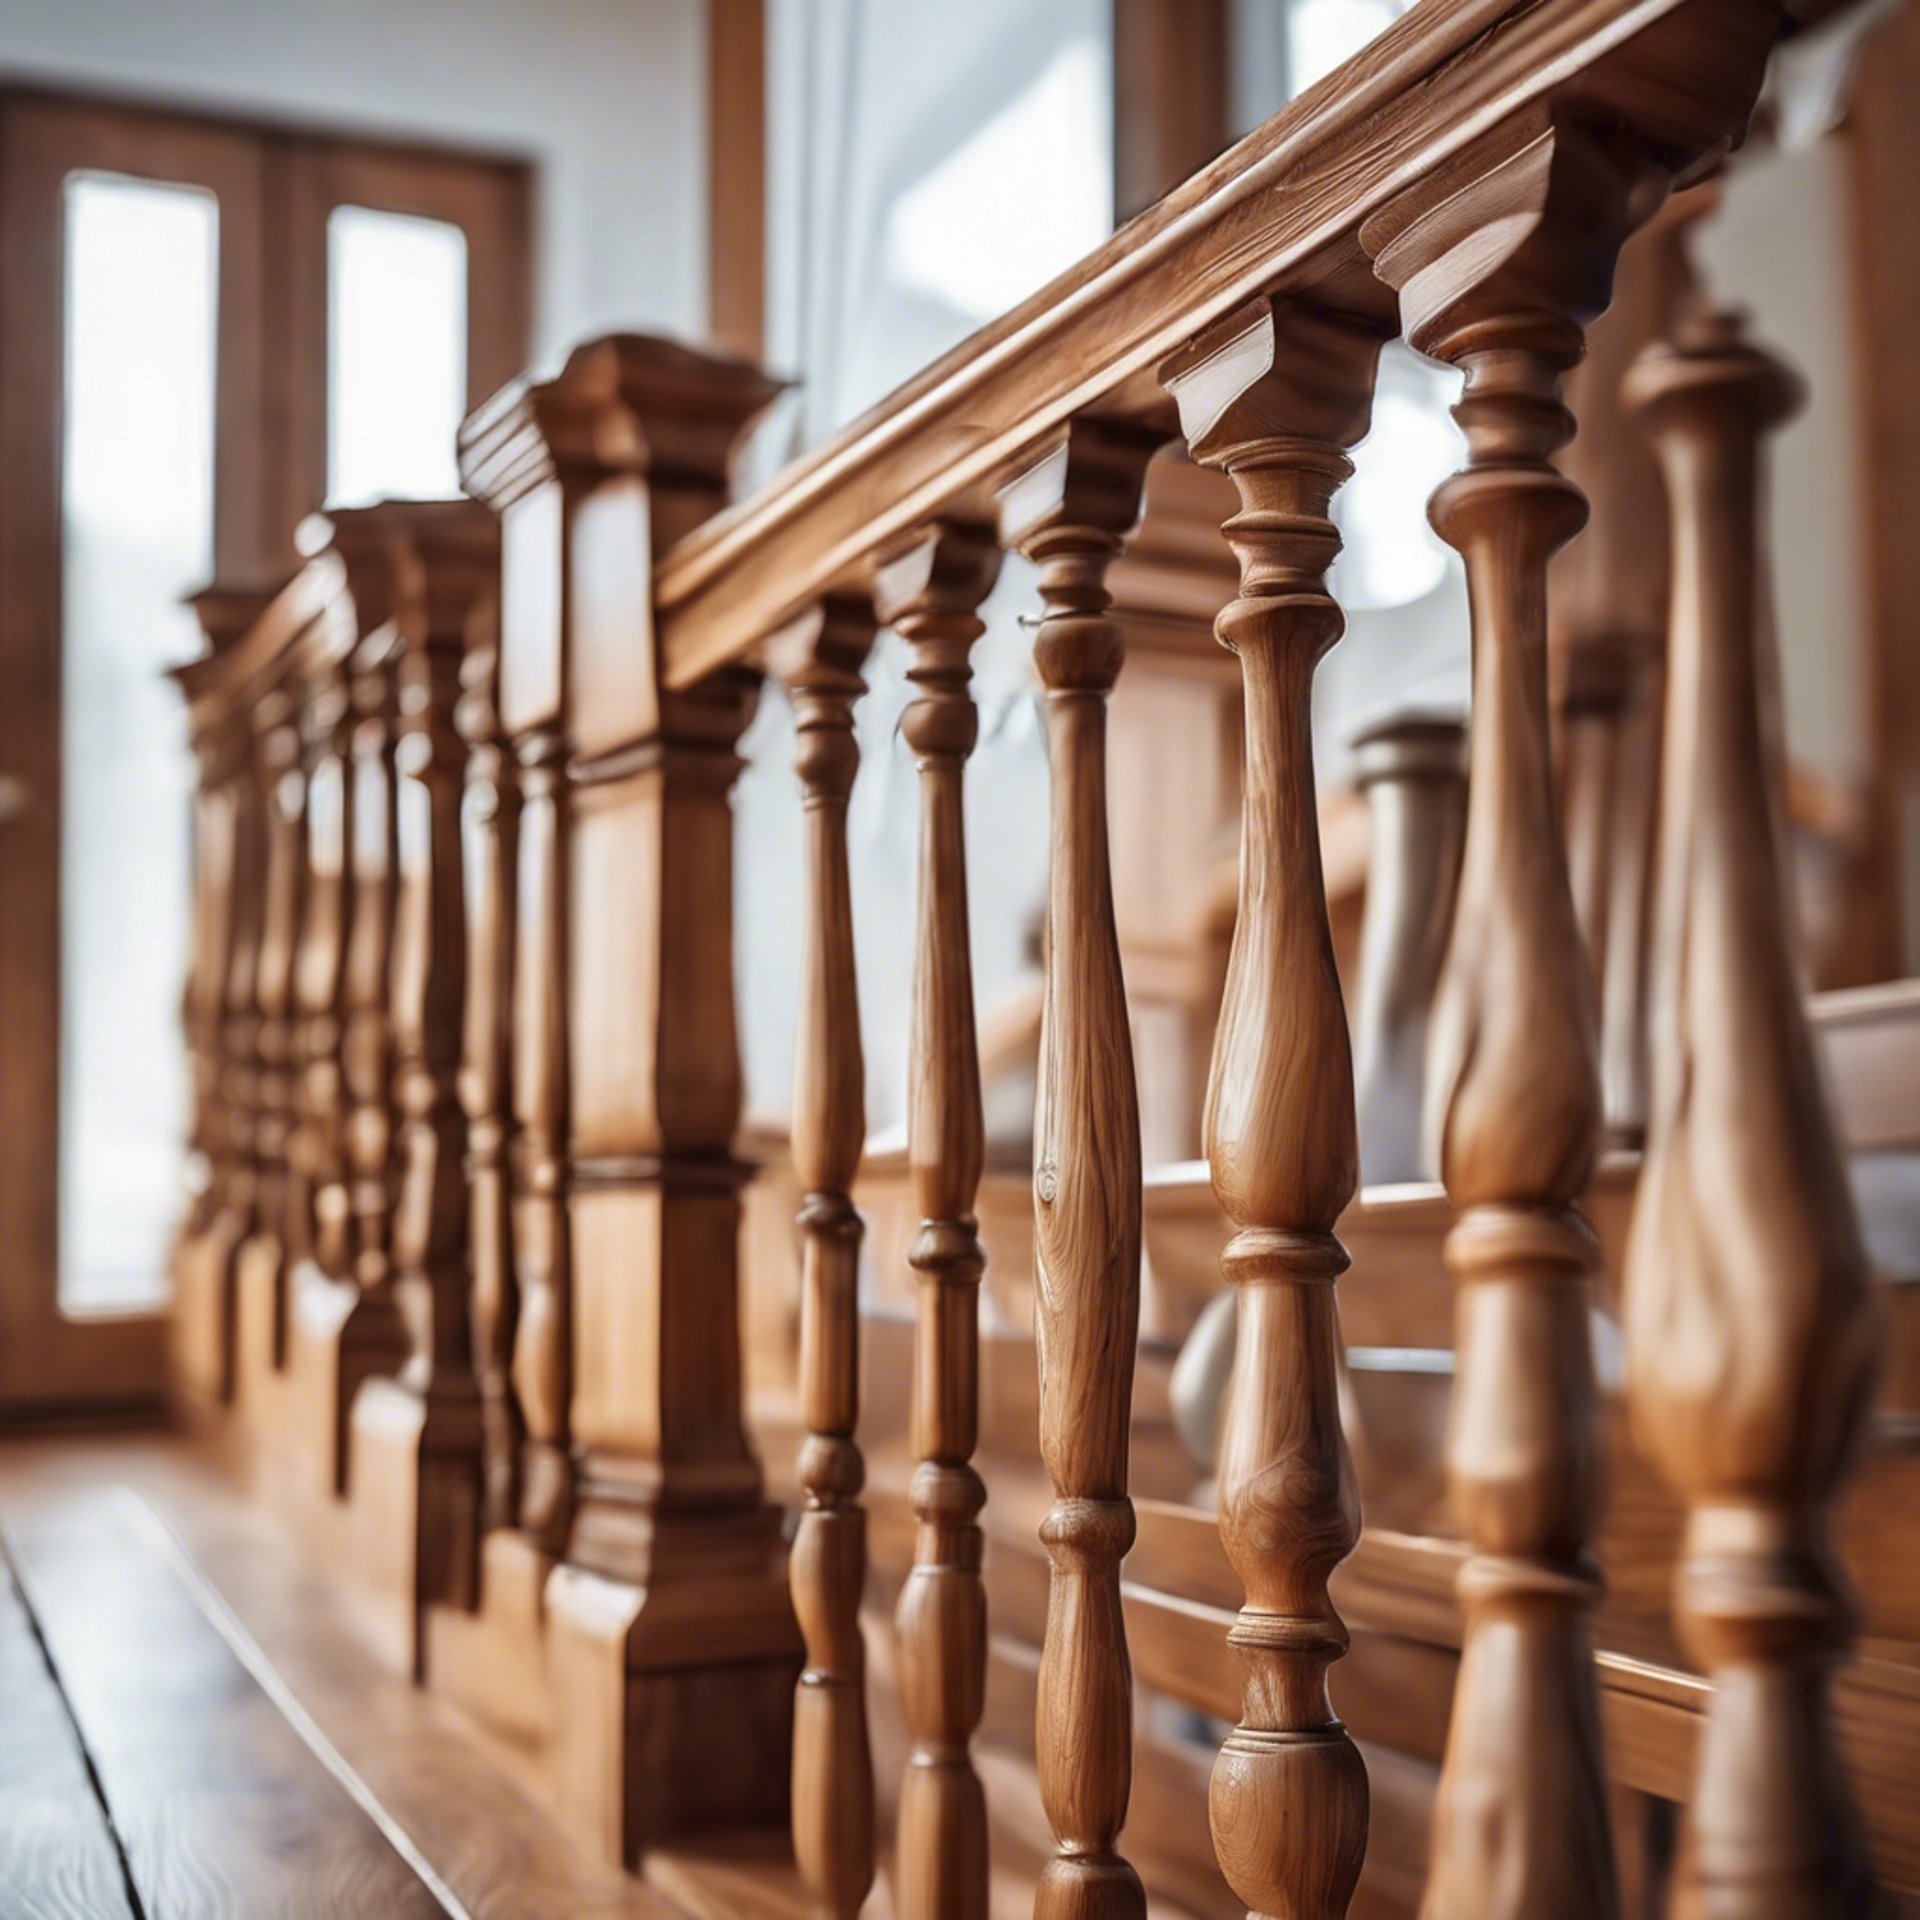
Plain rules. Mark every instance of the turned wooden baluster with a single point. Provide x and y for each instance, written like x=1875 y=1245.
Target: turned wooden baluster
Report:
x=283 y=898
x=239 y=1027
x=322 y=974
x=821 y=656
x=1273 y=395
x=429 y=1000
x=1751 y=1332
x=367 y=1049
x=930 y=594
x=491 y=827
x=1069 y=514
x=1496 y=274
x=542 y=1348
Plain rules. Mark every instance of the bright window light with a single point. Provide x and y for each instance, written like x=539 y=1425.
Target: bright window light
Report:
x=1392 y=556
x=136 y=534
x=1018 y=202
x=396 y=355
x=1325 y=34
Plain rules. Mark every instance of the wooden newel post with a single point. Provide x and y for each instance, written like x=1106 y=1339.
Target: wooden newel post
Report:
x=1751 y=1333
x=670 y=1615
x=1069 y=513
x=930 y=593
x=1274 y=395
x=820 y=656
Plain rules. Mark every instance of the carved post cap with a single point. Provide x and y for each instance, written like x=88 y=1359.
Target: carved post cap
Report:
x=626 y=402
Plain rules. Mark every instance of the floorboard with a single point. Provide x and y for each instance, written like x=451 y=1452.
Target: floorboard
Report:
x=58 y=1856
x=467 y=1804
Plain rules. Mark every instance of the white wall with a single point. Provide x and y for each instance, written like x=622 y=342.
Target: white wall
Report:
x=606 y=97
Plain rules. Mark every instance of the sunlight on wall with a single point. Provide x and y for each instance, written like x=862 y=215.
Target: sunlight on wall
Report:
x=396 y=355
x=137 y=534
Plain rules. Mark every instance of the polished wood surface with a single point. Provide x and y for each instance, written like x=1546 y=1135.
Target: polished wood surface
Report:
x=930 y=594
x=820 y=659
x=1753 y=1340
x=1068 y=514
x=1276 y=396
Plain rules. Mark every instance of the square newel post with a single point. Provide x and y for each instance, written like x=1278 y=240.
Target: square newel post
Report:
x=668 y=1616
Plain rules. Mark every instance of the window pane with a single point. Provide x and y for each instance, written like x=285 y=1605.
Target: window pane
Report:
x=396 y=355
x=137 y=534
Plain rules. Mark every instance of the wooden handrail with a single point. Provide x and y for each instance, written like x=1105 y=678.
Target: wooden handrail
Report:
x=1283 y=207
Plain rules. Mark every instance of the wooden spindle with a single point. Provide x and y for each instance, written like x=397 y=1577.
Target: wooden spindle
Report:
x=444 y=572
x=821 y=656
x=491 y=826
x=543 y=1340
x=1751 y=1333
x=1497 y=270
x=1412 y=768
x=323 y=974
x=283 y=895
x=931 y=593
x=367 y=1048
x=1274 y=394
x=1069 y=514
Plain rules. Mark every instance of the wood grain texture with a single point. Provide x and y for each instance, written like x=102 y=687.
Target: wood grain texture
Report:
x=1497 y=269
x=1753 y=1339
x=1069 y=514
x=1275 y=396
x=930 y=594
x=833 y=1808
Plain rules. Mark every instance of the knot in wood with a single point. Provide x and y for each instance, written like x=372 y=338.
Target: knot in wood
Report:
x=831 y=1469
x=947 y=1493
x=1083 y=1534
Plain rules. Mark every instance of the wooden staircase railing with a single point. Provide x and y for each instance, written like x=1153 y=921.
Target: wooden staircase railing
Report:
x=469 y=1084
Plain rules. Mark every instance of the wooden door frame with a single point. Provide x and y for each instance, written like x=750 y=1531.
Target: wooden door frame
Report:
x=276 y=186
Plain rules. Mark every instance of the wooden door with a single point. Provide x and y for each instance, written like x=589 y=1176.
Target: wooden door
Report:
x=163 y=422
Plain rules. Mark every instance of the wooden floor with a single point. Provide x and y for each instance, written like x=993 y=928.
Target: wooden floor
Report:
x=191 y=1726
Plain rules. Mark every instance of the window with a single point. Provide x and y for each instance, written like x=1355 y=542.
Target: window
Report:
x=396 y=355
x=136 y=525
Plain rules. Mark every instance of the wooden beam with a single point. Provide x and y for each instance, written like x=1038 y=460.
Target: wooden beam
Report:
x=737 y=175
x=1169 y=96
